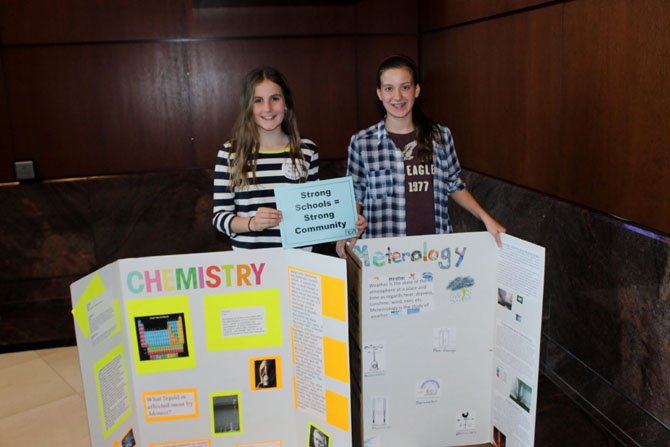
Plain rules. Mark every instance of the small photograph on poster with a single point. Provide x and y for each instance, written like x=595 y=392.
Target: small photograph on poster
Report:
x=505 y=298
x=266 y=373
x=160 y=334
x=129 y=439
x=466 y=422
x=380 y=412
x=374 y=359
x=428 y=391
x=226 y=414
x=318 y=437
x=161 y=337
x=461 y=289
x=521 y=393
x=501 y=374
x=444 y=339
x=499 y=438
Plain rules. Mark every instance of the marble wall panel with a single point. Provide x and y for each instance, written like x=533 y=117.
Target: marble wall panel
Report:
x=56 y=232
x=154 y=214
x=45 y=231
x=556 y=411
x=36 y=325
x=606 y=304
x=624 y=418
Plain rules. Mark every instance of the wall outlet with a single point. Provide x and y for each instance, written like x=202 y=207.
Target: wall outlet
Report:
x=25 y=170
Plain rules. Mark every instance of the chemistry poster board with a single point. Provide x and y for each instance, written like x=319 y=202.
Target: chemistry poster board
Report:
x=448 y=336
x=225 y=349
x=317 y=212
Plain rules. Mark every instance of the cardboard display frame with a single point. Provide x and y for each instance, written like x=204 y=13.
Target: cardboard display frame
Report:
x=221 y=349
x=444 y=337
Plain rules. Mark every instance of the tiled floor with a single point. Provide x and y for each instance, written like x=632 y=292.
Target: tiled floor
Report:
x=43 y=405
x=42 y=399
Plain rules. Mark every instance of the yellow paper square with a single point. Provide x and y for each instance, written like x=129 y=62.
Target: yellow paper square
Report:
x=151 y=307
x=335 y=359
x=94 y=289
x=337 y=410
x=115 y=355
x=269 y=300
x=334 y=304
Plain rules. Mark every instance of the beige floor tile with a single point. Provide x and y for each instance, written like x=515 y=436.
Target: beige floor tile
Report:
x=14 y=358
x=65 y=361
x=30 y=384
x=61 y=423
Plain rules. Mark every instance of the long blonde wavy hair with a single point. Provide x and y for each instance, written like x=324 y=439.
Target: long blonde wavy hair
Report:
x=245 y=142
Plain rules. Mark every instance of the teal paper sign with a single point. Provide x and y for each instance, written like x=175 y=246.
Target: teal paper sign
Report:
x=317 y=212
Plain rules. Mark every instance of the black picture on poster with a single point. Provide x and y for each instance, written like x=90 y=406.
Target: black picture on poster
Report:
x=161 y=337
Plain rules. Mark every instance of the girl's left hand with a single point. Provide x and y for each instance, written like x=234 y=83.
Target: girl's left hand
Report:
x=361 y=225
x=493 y=227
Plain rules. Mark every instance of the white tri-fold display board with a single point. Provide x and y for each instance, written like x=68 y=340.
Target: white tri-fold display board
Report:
x=251 y=348
x=216 y=349
x=447 y=328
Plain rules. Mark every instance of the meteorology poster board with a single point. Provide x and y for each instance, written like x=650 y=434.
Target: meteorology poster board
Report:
x=225 y=349
x=447 y=330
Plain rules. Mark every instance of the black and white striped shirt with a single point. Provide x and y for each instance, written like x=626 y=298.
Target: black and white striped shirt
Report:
x=273 y=168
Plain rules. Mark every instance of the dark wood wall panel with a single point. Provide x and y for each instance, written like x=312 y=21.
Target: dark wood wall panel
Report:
x=363 y=17
x=391 y=17
x=95 y=87
x=321 y=74
x=272 y=21
x=49 y=21
x=497 y=87
x=443 y=13
x=570 y=99
x=6 y=151
x=86 y=110
x=616 y=111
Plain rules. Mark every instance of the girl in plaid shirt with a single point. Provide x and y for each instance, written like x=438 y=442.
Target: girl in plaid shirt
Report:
x=405 y=167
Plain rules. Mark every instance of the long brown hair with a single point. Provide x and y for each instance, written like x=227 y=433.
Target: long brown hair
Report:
x=245 y=142
x=426 y=129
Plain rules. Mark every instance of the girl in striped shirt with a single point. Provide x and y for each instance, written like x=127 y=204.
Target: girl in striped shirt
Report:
x=265 y=151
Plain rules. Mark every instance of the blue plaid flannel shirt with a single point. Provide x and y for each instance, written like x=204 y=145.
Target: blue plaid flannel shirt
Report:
x=378 y=172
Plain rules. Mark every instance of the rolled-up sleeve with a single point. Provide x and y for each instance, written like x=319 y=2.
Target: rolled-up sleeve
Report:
x=450 y=167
